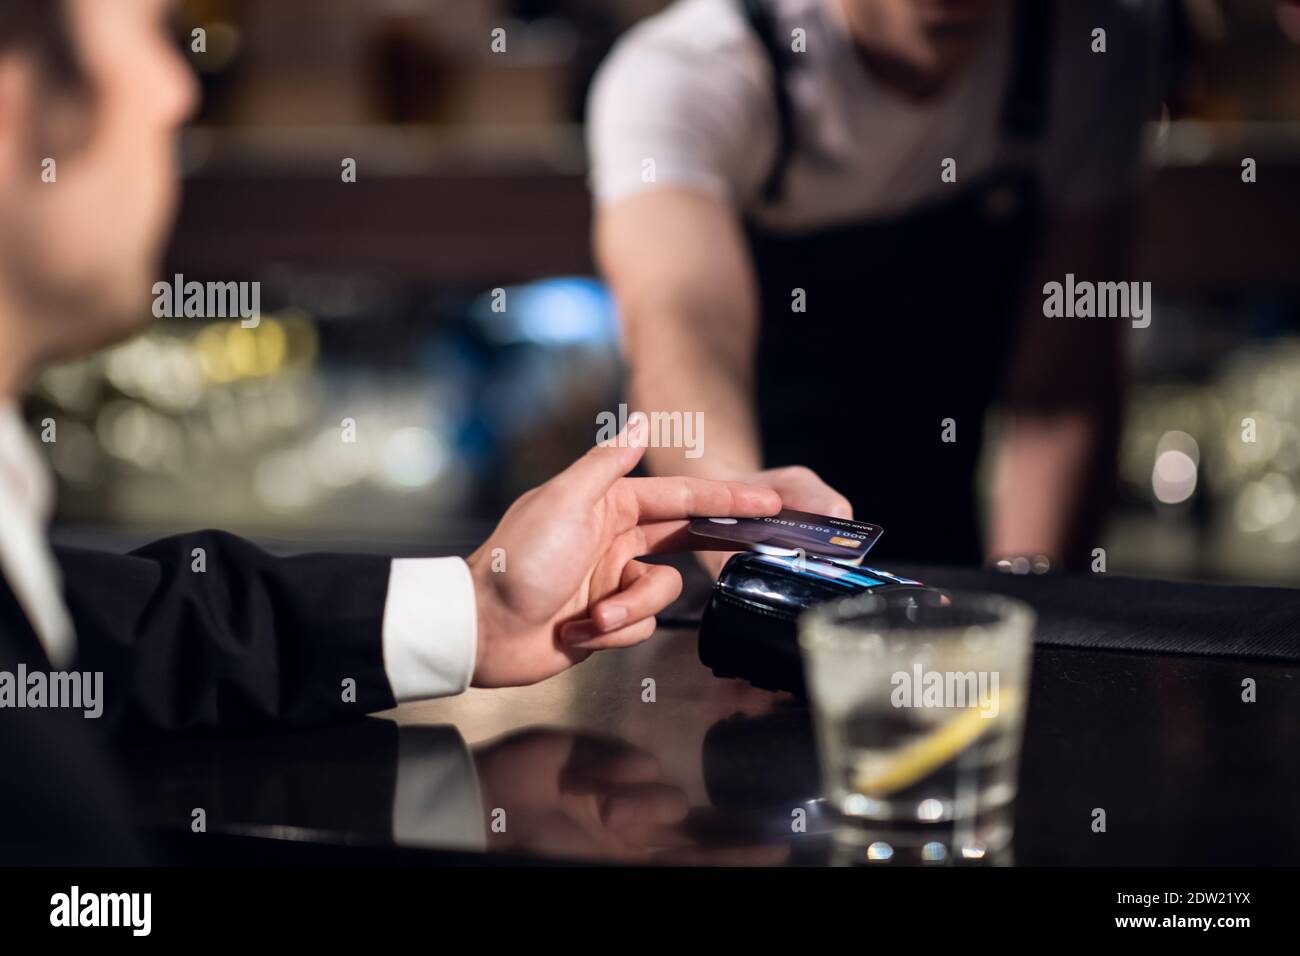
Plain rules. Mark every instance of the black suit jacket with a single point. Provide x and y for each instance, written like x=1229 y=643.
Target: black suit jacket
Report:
x=196 y=632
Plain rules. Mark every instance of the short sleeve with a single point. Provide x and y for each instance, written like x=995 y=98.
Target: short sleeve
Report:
x=674 y=106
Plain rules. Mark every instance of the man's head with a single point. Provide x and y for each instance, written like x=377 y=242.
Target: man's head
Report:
x=931 y=38
x=92 y=93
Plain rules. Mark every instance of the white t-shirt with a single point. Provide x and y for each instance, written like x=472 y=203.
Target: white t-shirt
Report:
x=686 y=99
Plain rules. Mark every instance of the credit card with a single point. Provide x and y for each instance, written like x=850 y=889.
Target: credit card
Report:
x=842 y=540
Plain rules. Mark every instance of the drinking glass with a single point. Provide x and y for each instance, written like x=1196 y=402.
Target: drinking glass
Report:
x=918 y=699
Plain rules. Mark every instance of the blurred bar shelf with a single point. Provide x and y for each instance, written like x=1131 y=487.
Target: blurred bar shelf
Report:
x=509 y=204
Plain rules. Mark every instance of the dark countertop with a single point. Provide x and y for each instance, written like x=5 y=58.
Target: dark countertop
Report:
x=584 y=768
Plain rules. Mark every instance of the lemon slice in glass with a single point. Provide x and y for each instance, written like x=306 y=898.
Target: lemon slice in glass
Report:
x=922 y=757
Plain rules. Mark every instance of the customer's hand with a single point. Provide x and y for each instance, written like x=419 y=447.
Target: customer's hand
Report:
x=558 y=578
x=801 y=489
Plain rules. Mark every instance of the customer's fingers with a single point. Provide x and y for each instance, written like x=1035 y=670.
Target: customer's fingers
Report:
x=595 y=473
x=671 y=537
x=647 y=590
x=680 y=497
x=586 y=635
x=616 y=568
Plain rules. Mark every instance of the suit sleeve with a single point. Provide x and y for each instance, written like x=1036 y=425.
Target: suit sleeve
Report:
x=206 y=631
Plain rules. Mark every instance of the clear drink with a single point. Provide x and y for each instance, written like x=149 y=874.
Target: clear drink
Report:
x=918 y=699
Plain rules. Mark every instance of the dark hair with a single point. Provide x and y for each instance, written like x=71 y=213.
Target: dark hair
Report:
x=40 y=28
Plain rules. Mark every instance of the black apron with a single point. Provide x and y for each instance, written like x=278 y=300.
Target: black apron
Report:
x=907 y=322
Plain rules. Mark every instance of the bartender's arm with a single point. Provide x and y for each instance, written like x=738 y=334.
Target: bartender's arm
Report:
x=1056 y=459
x=678 y=265
x=671 y=246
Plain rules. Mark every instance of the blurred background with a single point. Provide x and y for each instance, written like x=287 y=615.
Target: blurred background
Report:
x=377 y=296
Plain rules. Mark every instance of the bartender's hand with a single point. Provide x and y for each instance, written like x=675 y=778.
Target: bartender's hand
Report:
x=800 y=488
x=567 y=581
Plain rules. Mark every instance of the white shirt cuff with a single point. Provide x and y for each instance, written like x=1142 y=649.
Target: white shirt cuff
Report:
x=430 y=628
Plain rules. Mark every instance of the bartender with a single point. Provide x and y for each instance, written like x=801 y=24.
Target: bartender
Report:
x=828 y=224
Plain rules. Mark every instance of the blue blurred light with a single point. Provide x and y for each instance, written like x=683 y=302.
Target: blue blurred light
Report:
x=555 y=312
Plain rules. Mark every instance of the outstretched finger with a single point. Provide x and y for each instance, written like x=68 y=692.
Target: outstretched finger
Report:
x=679 y=497
x=592 y=475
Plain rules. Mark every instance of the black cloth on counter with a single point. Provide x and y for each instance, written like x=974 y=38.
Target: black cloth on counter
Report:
x=1103 y=611
x=1137 y=614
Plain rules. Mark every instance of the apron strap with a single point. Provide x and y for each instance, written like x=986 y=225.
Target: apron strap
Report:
x=763 y=24
x=1024 y=106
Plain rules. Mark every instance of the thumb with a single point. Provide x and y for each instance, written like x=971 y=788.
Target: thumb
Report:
x=593 y=474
